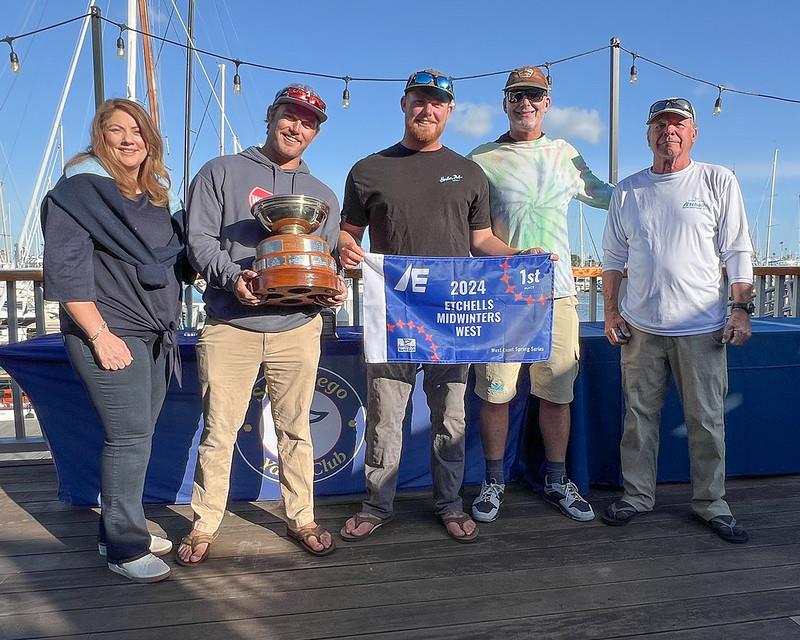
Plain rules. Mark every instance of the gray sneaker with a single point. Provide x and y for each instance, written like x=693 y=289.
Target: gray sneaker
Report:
x=565 y=496
x=146 y=569
x=486 y=506
x=158 y=546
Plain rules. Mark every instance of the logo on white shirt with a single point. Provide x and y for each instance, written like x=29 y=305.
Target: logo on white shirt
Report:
x=695 y=204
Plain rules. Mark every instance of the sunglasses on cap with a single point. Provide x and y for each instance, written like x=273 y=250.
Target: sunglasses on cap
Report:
x=533 y=95
x=679 y=104
x=425 y=78
x=297 y=93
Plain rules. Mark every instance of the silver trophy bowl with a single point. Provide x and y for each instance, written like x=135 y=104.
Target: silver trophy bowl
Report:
x=297 y=214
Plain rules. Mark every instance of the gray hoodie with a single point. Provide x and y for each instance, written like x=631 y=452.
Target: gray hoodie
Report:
x=222 y=234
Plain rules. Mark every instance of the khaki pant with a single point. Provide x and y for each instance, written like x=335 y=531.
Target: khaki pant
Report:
x=228 y=362
x=699 y=365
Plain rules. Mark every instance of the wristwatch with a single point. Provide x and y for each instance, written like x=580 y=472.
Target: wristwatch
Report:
x=747 y=307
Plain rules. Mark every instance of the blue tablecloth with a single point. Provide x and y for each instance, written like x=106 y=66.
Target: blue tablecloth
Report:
x=762 y=421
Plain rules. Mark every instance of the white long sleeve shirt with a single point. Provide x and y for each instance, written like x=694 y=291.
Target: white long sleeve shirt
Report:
x=674 y=231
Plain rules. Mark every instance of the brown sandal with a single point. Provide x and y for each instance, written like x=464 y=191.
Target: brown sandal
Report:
x=460 y=518
x=360 y=518
x=301 y=536
x=192 y=540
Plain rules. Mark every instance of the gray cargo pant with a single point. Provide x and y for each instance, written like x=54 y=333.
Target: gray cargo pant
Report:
x=699 y=366
x=389 y=388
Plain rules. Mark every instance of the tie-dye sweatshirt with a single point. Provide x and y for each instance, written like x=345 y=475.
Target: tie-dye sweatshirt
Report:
x=531 y=185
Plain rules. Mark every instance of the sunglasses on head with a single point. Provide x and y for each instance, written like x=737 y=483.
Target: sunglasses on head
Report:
x=672 y=103
x=534 y=95
x=305 y=96
x=426 y=78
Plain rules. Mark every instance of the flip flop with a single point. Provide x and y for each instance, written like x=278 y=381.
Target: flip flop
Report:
x=619 y=513
x=192 y=540
x=360 y=518
x=301 y=536
x=727 y=529
x=460 y=518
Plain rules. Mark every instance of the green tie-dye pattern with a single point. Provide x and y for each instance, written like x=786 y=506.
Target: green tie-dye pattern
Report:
x=531 y=185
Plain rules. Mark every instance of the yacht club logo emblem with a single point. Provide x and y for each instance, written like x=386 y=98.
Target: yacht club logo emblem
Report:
x=338 y=420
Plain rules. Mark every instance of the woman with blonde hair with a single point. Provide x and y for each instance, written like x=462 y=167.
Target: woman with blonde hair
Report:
x=113 y=257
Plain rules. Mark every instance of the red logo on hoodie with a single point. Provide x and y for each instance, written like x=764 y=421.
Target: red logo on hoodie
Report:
x=258 y=194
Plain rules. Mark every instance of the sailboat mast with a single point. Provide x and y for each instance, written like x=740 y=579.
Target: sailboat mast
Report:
x=771 y=201
x=149 y=69
x=131 y=33
x=580 y=214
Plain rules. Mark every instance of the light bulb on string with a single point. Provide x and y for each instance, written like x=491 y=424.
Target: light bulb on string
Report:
x=718 y=103
x=549 y=77
x=237 y=81
x=634 y=73
x=12 y=57
x=346 y=93
x=120 y=46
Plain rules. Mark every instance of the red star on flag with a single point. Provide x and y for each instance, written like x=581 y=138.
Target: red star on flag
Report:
x=411 y=324
x=420 y=329
x=505 y=277
x=429 y=337
x=389 y=327
x=434 y=357
x=506 y=265
x=542 y=299
x=510 y=288
x=401 y=324
x=518 y=296
x=434 y=346
x=529 y=299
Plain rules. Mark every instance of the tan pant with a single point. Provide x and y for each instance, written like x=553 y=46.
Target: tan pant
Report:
x=699 y=365
x=228 y=362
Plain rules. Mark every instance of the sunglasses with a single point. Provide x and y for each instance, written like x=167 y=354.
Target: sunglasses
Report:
x=305 y=96
x=533 y=95
x=424 y=78
x=672 y=103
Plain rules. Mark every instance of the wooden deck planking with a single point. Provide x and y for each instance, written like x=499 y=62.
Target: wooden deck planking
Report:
x=533 y=574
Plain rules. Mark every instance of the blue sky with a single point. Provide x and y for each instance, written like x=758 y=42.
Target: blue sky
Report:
x=731 y=43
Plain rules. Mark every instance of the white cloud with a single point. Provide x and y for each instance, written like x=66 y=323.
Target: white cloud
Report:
x=573 y=123
x=473 y=119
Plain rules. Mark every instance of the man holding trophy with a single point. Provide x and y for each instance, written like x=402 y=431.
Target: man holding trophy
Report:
x=251 y=322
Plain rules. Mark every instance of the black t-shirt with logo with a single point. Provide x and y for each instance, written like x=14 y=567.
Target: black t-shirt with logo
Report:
x=417 y=203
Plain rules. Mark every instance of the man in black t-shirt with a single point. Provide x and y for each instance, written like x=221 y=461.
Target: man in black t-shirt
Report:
x=418 y=198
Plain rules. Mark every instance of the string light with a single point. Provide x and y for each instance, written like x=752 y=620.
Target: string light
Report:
x=15 y=64
x=549 y=79
x=237 y=81
x=121 y=43
x=718 y=103
x=12 y=57
x=346 y=93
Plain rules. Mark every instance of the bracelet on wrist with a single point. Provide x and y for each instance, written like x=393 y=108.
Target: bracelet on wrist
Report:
x=97 y=333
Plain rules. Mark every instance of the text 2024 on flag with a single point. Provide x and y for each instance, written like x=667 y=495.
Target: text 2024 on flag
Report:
x=450 y=310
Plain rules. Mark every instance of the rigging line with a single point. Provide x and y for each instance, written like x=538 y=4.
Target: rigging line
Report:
x=598 y=256
x=709 y=83
x=200 y=126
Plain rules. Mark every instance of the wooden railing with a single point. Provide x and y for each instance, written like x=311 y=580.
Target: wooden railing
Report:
x=777 y=294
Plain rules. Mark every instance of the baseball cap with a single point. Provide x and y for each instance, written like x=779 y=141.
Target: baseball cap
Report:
x=526 y=77
x=680 y=106
x=431 y=79
x=303 y=95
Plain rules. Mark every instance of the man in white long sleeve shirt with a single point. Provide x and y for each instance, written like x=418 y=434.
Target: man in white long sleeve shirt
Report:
x=674 y=225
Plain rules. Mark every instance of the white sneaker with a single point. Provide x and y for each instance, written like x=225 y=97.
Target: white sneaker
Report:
x=486 y=506
x=158 y=546
x=565 y=496
x=146 y=569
